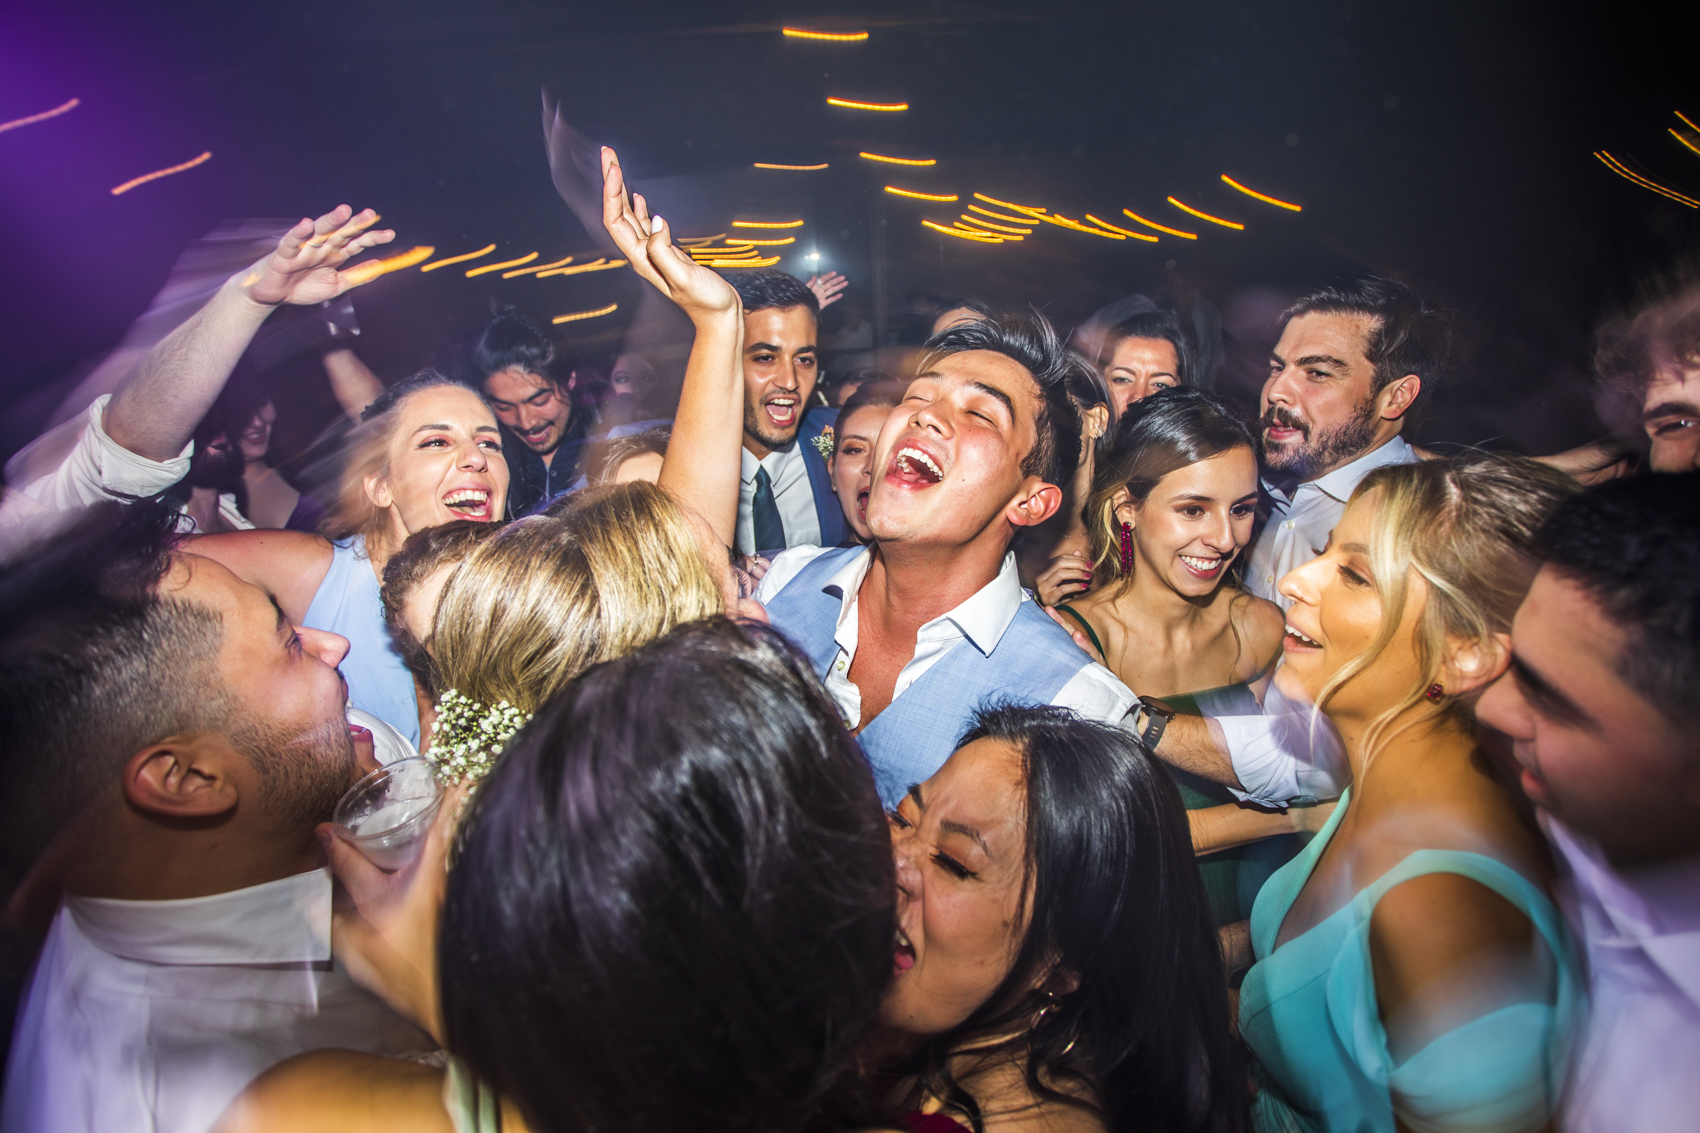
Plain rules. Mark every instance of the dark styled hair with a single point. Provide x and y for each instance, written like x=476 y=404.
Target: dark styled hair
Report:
x=766 y=288
x=1156 y=436
x=1164 y=325
x=607 y=455
x=512 y=340
x=874 y=395
x=1410 y=337
x=978 y=306
x=1634 y=546
x=1136 y=1010
x=1032 y=343
x=1664 y=333
x=676 y=918
x=95 y=665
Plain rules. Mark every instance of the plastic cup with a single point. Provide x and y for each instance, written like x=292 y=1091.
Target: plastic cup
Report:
x=387 y=814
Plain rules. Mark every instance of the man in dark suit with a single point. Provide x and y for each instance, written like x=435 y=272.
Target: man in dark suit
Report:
x=785 y=497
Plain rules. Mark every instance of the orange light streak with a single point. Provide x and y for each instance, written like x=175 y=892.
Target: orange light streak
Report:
x=727 y=254
x=1678 y=113
x=920 y=196
x=43 y=116
x=580 y=269
x=1623 y=170
x=537 y=267
x=995 y=224
x=1206 y=216
x=770 y=243
x=898 y=160
x=498 y=267
x=987 y=238
x=767 y=263
x=792 y=168
x=767 y=224
x=1029 y=209
x=1065 y=222
x=371 y=269
x=999 y=215
x=1128 y=232
x=693 y=240
x=484 y=251
x=158 y=173
x=830 y=36
x=577 y=315
x=1160 y=227
x=850 y=104
x=960 y=227
x=1265 y=198
x=1685 y=141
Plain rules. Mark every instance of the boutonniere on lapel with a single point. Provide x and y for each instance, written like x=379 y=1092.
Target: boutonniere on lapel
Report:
x=825 y=443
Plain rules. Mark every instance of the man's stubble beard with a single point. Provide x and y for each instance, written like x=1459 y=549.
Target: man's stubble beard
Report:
x=1324 y=449
x=754 y=427
x=303 y=773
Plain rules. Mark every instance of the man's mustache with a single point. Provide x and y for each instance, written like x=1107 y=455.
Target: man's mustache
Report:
x=1285 y=418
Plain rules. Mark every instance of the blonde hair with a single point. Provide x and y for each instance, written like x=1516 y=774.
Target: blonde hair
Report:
x=1466 y=526
x=551 y=595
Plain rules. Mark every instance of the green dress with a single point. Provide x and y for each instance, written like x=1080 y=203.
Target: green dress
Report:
x=1231 y=877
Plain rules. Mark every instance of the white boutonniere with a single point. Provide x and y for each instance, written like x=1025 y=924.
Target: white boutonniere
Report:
x=826 y=442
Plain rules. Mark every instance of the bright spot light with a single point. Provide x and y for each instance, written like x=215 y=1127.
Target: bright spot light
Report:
x=814 y=255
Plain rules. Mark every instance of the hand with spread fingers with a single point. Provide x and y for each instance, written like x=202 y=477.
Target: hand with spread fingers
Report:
x=307 y=266
x=648 y=243
x=827 y=287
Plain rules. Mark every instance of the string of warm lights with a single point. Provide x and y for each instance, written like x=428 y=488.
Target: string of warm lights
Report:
x=851 y=104
x=577 y=315
x=158 y=173
x=988 y=238
x=996 y=225
x=484 y=251
x=1264 y=197
x=766 y=224
x=792 y=168
x=1160 y=227
x=1205 y=215
x=42 y=117
x=898 y=160
x=1128 y=232
x=537 y=268
x=830 y=36
x=893 y=189
x=999 y=215
x=487 y=268
x=579 y=269
x=1622 y=170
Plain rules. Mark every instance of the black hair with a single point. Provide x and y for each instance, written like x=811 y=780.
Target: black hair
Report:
x=979 y=306
x=512 y=340
x=766 y=288
x=1634 y=546
x=95 y=665
x=671 y=906
x=1410 y=337
x=398 y=392
x=1032 y=343
x=1135 y=1013
x=1163 y=325
x=885 y=394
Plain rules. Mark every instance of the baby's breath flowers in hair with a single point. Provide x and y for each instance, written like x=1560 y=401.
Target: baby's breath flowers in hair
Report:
x=466 y=737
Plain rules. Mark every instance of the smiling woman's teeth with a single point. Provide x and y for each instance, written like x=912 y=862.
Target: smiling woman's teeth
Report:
x=466 y=498
x=1202 y=566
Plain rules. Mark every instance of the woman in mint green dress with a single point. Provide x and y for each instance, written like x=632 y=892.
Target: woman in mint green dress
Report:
x=1412 y=972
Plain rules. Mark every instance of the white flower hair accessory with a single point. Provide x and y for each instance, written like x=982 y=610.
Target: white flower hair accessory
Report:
x=466 y=737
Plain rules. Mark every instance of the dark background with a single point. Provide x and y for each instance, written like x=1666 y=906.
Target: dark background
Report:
x=1449 y=144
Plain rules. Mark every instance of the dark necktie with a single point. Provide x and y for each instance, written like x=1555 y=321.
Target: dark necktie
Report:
x=764 y=515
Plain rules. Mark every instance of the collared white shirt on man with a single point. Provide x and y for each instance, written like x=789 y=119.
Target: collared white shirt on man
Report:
x=1094 y=692
x=1298 y=528
x=792 y=493
x=155 y=1014
x=1638 y=1068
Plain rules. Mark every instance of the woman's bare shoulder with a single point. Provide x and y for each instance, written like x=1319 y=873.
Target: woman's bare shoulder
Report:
x=289 y=565
x=341 y=1090
x=1262 y=625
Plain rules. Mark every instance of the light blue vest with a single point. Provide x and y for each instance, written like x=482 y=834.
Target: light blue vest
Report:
x=916 y=733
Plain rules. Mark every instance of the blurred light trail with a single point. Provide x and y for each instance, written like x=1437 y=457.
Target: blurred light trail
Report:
x=762 y=263
x=1678 y=113
x=484 y=251
x=498 y=267
x=42 y=117
x=1684 y=140
x=1160 y=227
x=158 y=173
x=920 y=196
x=1623 y=170
x=831 y=36
x=988 y=238
x=793 y=168
x=691 y=240
x=1206 y=216
x=786 y=240
x=594 y=265
x=1128 y=232
x=848 y=104
x=898 y=160
x=1062 y=221
x=1265 y=198
x=767 y=224
x=960 y=227
x=999 y=215
x=369 y=270
x=727 y=254
x=996 y=225
x=577 y=315
x=537 y=267
x=1006 y=204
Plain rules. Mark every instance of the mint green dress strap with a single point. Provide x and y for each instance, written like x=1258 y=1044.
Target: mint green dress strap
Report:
x=1084 y=624
x=472 y=1106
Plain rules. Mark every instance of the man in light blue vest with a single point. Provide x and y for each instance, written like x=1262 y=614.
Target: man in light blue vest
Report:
x=915 y=632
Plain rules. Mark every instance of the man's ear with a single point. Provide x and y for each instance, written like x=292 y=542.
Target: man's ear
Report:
x=1475 y=665
x=1392 y=402
x=1037 y=502
x=378 y=490
x=183 y=776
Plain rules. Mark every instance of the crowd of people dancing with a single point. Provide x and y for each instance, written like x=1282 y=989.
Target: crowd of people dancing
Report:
x=1032 y=740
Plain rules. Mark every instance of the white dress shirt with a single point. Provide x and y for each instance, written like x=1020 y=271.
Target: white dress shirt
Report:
x=1298 y=528
x=1638 y=1070
x=153 y=1015
x=1094 y=692
x=791 y=492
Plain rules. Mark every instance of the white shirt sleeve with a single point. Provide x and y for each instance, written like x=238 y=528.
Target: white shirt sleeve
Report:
x=785 y=566
x=99 y=468
x=1289 y=754
x=1095 y=693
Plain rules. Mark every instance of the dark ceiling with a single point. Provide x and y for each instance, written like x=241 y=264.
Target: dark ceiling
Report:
x=1447 y=143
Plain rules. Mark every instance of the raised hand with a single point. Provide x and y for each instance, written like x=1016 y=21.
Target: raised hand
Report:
x=1068 y=576
x=827 y=287
x=648 y=243
x=307 y=266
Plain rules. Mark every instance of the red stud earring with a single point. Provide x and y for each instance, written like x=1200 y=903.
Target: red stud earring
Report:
x=1435 y=694
x=1127 y=549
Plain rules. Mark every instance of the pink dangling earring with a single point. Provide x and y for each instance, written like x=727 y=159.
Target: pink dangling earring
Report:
x=1435 y=694
x=1127 y=548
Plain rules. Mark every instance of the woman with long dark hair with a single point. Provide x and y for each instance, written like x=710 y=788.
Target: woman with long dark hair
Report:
x=1056 y=963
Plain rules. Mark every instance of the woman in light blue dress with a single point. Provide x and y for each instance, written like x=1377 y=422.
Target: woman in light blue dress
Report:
x=1412 y=972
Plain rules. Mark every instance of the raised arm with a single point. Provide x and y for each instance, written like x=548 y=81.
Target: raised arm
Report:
x=353 y=384
x=154 y=413
x=702 y=465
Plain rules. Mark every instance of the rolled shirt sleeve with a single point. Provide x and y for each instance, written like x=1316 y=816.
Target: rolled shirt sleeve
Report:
x=1289 y=754
x=99 y=468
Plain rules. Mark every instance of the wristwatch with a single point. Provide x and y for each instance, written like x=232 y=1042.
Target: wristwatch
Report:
x=1153 y=716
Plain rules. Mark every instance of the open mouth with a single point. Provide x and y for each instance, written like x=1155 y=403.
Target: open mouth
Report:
x=469 y=503
x=1294 y=640
x=911 y=466
x=862 y=504
x=1204 y=568
x=902 y=952
x=537 y=435
x=781 y=411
